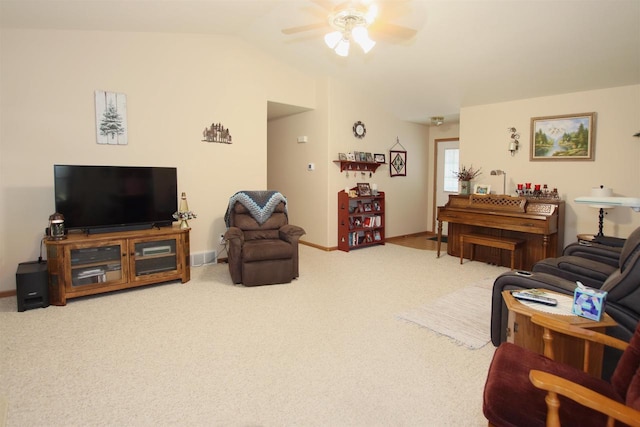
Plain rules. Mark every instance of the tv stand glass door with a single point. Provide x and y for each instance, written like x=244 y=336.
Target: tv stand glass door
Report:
x=96 y=266
x=153 y=256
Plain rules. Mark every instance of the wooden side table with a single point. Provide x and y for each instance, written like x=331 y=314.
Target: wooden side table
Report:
x=570 y=350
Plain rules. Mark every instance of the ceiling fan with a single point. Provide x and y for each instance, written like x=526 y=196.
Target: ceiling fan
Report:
x=353 y=21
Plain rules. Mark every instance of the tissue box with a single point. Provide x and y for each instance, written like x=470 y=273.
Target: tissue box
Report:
x=589 y=303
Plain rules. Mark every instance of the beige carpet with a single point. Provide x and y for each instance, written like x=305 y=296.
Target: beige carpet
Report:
x=463 y=315
x=324 y=350
x=4 y=406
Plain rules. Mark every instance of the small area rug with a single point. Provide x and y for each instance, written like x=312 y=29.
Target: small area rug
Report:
x=435 y=238
x=463 y=315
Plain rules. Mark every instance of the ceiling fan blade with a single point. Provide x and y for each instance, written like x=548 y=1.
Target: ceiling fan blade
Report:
x=303 y=28
x=392 y=30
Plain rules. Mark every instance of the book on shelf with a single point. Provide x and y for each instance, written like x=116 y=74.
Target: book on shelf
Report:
x=368 y=237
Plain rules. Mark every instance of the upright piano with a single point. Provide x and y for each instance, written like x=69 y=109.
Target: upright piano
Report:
x=539 y=222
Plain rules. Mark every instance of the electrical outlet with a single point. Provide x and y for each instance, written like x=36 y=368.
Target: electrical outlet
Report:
x=222 y=239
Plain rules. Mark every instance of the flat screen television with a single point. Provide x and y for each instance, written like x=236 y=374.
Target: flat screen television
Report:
x=114 y=198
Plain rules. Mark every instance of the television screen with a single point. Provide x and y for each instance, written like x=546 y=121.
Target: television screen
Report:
x=97 y=197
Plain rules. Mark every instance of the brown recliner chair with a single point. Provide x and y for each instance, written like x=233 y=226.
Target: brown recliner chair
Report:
x=263 y=246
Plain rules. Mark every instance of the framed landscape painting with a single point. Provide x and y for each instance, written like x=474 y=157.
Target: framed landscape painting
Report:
x=567 y=137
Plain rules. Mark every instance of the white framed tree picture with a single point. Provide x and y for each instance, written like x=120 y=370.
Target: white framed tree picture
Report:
x=111 y=118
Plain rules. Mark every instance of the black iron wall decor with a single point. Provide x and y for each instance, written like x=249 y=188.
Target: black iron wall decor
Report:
x=359 y=130
x=217 y=133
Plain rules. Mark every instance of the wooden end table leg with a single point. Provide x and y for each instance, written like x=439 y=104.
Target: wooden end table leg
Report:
x=513 y=258
x=439 y=237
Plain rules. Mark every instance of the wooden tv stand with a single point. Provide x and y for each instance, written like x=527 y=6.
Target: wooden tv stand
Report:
x=88 y=264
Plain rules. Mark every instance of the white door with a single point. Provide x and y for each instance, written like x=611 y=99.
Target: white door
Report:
x=447 y=162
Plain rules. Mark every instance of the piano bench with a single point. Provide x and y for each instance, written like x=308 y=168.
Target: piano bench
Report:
x=493 y=242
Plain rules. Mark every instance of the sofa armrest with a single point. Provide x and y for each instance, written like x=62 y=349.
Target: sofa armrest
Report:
x=595 y=252
x=235 y=237
x=514 y=281
x=234 y=233
x=589 y=272
x=585 y=267
x=557 y=385
x=291 y=233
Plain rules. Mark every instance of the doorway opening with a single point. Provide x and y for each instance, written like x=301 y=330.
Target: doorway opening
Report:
x=446 y=162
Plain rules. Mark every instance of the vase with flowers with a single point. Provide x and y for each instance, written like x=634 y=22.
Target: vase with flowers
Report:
x=465 y=176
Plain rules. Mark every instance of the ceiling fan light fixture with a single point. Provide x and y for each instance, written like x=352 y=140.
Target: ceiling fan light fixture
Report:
x=371 y=14
x=342 y=49
x=332 y=39
x=361 y=36
x=437 y=120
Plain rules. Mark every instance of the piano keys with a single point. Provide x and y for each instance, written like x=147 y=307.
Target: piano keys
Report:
x=539 y=222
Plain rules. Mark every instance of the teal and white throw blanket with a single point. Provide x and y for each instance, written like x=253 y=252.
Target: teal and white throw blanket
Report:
x=260 y=204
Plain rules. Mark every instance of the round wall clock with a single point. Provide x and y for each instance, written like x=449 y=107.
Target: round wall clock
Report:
x=359 y=130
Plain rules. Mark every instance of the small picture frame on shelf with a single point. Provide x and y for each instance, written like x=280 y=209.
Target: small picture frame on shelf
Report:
x=363 y=156
x=342 y=156
x=379 y=158
x=364 y=189
x=376 y=205
x=370 y=157
x=351 y=157
x=481 y=189
x=367 y=207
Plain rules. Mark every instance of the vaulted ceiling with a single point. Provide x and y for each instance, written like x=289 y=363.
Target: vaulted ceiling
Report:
x=463 y=53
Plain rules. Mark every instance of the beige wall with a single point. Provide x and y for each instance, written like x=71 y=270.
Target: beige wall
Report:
x=287 y=166
x=405 y=196
x=329 y=130
x=484 y=141
x=176 y=85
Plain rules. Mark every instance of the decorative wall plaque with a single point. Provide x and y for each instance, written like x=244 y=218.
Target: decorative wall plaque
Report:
x=217 y=133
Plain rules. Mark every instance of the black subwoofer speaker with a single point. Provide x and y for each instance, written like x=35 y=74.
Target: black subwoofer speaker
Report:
x=32 y=285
